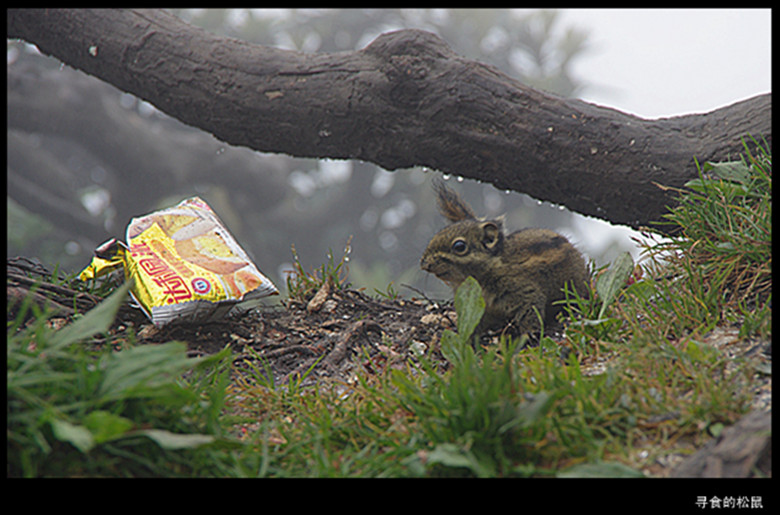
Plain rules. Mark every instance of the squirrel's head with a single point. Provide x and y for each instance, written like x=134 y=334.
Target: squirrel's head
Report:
x=466 y=246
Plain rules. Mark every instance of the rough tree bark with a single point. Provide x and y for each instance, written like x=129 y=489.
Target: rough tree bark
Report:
x=404 y=100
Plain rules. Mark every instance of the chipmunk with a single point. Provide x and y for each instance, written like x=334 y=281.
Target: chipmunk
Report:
x=518 y=272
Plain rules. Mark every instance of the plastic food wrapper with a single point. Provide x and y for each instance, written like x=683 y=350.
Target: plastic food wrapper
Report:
x=184 y=264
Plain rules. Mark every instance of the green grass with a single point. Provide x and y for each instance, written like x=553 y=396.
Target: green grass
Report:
x=494 y=411
x=302 y=285
x=72 y=411
x=722 y=255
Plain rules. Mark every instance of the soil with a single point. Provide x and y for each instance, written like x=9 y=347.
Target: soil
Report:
x=349 y=330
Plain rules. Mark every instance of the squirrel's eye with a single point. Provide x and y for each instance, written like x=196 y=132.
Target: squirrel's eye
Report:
x=459 y=246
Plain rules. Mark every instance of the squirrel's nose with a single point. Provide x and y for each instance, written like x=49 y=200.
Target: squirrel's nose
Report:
x=426 y=262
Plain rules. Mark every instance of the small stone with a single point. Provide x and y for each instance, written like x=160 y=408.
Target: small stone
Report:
x=315 y=304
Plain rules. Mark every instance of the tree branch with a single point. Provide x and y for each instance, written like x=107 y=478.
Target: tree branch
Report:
x=404 y=100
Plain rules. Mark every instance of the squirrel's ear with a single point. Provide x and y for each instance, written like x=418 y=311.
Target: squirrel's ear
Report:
x=491 y=235
x=450 y=204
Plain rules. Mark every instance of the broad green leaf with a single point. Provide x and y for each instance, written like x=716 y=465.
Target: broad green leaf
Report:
x=173 y=441
x=145 y=366
x=644 y=289
x=698 y=185
x=95 y=321
x=451 y=455
x=716 y=429
x=611 y=281
x=83 y=438
x=78 y=436
x=451 y=345
x=736 y=171
x=106 y=426
x=470 y=306
x=734 y=179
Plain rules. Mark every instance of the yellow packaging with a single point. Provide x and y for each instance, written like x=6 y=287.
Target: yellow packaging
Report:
x=184 y=263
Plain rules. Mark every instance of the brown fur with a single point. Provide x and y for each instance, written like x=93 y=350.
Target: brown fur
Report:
x=519 y=273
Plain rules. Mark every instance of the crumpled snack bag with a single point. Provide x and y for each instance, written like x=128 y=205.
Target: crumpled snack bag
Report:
x=184 y=264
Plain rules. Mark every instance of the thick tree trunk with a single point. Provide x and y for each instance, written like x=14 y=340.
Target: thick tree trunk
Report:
x=404 y=100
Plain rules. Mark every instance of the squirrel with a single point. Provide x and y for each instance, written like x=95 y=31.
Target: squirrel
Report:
x=520 y=273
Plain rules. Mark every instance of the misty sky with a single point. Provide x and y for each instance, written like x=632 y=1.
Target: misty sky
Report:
x=665 y=62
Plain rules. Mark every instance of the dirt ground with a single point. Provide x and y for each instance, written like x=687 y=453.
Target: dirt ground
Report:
x=350 y=329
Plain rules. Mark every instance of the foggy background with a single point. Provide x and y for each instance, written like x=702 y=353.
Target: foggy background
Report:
x=74 y=160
